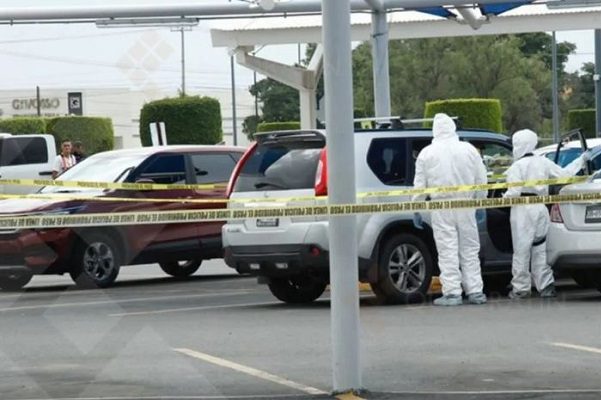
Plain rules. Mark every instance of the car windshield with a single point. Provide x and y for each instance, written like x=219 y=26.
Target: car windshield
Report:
x=279 y=167
x=566 y=156
x=97 y=168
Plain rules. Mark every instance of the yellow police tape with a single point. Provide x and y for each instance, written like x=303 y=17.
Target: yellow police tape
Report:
x=190 y=216
x=386 y=193
x=108 y=185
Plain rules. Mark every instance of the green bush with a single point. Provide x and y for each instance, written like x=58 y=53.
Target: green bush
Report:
x=188 y=120
x=278 y=126
x=583 y=119
x=472 y=113
x=95 y=133
x=23 y=125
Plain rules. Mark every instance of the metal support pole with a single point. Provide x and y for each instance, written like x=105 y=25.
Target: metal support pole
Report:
x=183 y=62
x=379 y=47
x=555 y=88
x=234 y=119
x=597 y=79
x=341 y=183
x=256 y=95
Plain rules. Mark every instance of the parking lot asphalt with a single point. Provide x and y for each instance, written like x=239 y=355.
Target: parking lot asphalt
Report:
x=221 y=336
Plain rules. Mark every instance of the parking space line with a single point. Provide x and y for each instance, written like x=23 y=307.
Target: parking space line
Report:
x=198 y=308
x=577 y=347
x=251 y=371
x=120 y=301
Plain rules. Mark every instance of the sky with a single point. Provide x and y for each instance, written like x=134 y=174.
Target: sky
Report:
x=83 y=56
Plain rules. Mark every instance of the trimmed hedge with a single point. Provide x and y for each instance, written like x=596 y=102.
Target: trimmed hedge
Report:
x=23 y=125
x=278 y=126
x=188 y=120
x=95 y=133
x=472 y=113
x=583 y=119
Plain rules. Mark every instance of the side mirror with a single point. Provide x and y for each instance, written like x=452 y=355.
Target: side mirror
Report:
x=143 y=181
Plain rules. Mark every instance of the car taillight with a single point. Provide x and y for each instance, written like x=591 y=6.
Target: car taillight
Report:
x=556 y=214
x=321 y=175
x=238 y=168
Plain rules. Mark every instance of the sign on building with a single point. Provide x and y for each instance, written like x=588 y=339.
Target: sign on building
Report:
x=75 y=103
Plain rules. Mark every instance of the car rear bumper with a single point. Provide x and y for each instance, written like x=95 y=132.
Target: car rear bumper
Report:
x=573 y=249
x=283 y=260
x=277 y=260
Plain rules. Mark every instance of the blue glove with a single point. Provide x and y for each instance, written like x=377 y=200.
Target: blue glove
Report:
x=480 y=216
x=417 y=221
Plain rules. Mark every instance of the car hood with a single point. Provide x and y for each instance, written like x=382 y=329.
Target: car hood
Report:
x=30 y=206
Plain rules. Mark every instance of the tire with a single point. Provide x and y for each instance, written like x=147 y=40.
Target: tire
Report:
x=585 y=279
x=297 y=290
x=180 y=269
x=405 y=268
x=15 y=281
x=96 y=261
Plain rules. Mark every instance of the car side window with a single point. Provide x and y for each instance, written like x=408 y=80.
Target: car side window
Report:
x=387 y=159
x=497 y=157
x=165 y=169
x=20 y=151
x=213 y=168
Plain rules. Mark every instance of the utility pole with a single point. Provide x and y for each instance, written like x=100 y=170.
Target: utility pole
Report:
x=597 y=79
x=555 y=88
x=183 y=61
x=38 y=101
x=234 y=119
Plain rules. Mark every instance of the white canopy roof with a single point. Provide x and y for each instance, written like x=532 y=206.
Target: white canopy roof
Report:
x=402 y=25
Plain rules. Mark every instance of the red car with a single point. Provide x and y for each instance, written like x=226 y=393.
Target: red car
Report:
x=93 y=256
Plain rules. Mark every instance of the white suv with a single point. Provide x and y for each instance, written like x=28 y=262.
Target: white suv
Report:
x=395 y=257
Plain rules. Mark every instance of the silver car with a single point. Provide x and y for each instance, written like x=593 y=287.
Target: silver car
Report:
x=574 y=238
x=395 y=257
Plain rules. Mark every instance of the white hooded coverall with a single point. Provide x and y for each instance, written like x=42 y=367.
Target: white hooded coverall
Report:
x=450 y=162
x=530 y=224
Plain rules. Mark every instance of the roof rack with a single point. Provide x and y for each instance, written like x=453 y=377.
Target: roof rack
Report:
x=391 y=122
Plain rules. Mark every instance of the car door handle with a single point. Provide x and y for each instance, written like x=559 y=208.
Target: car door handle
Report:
x=45 y=173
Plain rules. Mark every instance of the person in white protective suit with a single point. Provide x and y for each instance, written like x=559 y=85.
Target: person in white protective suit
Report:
x=449 y=162
x=529 y=224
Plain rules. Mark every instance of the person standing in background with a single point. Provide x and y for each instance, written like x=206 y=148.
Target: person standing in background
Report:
x=78 y=151
x=64 y=160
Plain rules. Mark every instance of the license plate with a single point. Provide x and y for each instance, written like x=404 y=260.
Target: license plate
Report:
x=268 y=222
x=593 y=214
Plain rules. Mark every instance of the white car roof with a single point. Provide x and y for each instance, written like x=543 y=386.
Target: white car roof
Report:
x=574 y=144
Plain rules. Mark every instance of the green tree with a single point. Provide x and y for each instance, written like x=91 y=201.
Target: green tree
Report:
x=445 y=68
x=579 y=88
x=280 y=102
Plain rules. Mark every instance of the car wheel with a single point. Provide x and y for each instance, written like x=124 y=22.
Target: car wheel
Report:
x=585 y=279
x=180 y=269
x=96 y=261
x=299 y=289
x=15 y=281
x=406 y=268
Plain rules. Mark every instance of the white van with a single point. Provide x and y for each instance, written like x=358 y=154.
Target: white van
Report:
x=25 y=157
